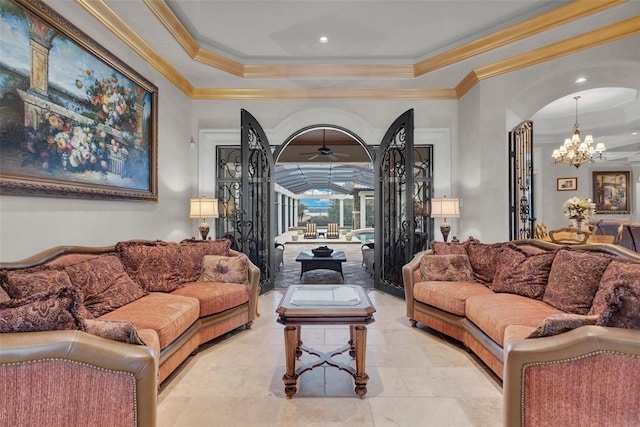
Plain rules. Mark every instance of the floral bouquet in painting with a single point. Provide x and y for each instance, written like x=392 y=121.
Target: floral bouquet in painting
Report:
x=578 y=208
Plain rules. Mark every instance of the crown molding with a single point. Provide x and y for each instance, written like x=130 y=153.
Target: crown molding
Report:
x=579 y=8
x=171 y=23
x=112 y=21
x=554 y=18
x=608 y=34
x=328 y=93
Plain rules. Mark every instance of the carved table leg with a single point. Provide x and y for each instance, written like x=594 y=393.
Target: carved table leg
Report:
x=298 y=342
x=352 y=341
x=361 y=376
x=291 y=340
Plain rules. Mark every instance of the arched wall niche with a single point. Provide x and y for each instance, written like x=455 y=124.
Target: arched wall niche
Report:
x=549 y=88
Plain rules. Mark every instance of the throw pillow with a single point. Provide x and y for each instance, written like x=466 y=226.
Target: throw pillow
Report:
x=23 y=283
x=153 y=265
x=623 y=307
x=483 y=260
x=518 y=272
x=449 y=248
x=574 y=279
x=46 y=311
x=618 y=272
x=442 y=248
x=451 y=268
x=193 y=251
x=4 y=296
x=118 y=331
x=559 y=323
x=104 y=284
x=216 y=268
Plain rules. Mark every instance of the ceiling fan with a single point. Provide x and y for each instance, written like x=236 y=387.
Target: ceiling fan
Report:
x=324 y=150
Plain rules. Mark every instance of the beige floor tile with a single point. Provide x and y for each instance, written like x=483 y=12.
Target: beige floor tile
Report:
x=416 y=379
x=423 y=412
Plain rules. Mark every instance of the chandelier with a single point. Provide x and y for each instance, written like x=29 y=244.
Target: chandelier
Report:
x=576 y=152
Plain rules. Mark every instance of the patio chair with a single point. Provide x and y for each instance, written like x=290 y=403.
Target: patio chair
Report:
x=311 y=232
x=332 y=231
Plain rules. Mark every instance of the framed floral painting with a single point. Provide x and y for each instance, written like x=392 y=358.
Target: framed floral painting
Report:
x=611 y=192
x=75 y=120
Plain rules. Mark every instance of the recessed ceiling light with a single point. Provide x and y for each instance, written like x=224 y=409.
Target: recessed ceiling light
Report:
x=634 y=133
x=581 y=80
x=324 y=39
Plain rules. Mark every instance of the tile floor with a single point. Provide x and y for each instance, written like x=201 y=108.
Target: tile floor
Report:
x=416 y=378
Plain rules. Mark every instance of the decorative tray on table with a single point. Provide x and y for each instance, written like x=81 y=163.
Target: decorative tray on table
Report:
x=322 y=251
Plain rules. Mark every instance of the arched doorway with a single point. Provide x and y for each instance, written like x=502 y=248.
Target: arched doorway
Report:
x=328 y=163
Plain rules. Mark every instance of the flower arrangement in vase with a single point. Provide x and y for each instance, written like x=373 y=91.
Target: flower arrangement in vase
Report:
x=578 y=209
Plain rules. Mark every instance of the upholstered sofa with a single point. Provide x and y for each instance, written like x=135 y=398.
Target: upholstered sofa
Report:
x=558 y=324
x=89 y=333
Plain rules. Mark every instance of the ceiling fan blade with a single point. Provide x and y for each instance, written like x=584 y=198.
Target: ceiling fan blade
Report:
x=341 y=154
x=314 y=156
x=332 y=156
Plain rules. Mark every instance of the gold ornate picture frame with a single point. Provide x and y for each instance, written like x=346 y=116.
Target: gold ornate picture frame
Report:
x=76 y=121
x=611 y=192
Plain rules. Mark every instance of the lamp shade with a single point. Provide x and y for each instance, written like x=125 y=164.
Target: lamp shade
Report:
x=203 y=207
x=445 y=207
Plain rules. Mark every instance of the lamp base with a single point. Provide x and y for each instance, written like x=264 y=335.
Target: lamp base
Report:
x=445 y=228
x=204 y=230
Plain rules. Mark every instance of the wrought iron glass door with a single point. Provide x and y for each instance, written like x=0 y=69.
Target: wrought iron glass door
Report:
x=394 y=189
x=245 y=190
x=521 y=220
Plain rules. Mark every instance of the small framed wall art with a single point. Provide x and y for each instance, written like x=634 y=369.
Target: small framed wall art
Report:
x=567 y=184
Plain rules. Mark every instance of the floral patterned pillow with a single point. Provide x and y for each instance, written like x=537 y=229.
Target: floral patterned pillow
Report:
x=113 y=330
x=23 y=283
x=451 y=268
x=518 y=272
x=104 y=284
x=225 y=269
x=153 y=265
x=47 y=311
x=623 y=307
x=483 y=258
x=192 y=252
x=559 y=323
x=618 y=272
x=448 y=248
x=574 y=279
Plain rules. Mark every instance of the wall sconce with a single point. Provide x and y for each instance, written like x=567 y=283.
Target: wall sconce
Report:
x=192 y=143
x=445 y=208
x=203 y=207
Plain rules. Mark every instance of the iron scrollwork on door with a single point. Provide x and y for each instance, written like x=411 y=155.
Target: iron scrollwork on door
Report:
x=521 y=220
x=395 y=223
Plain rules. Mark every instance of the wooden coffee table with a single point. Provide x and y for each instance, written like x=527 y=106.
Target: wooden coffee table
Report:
x=308 y=261
x=325 y=305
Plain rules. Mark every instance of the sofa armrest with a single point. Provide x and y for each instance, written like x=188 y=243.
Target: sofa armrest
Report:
x=408 y=279
x=587 y=376
x=254 y=285
x=75 y=378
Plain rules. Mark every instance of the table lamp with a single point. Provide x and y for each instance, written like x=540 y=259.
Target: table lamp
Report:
x=445 y=208
x=203 y=207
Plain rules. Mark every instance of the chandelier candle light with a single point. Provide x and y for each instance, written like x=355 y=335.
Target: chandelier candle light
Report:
x=578 y=209
x=445 y=208
x=203 y=207
x=576 y=152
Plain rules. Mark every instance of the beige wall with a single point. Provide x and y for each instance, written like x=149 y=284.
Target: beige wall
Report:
x=31 y=224
x=476 y=169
